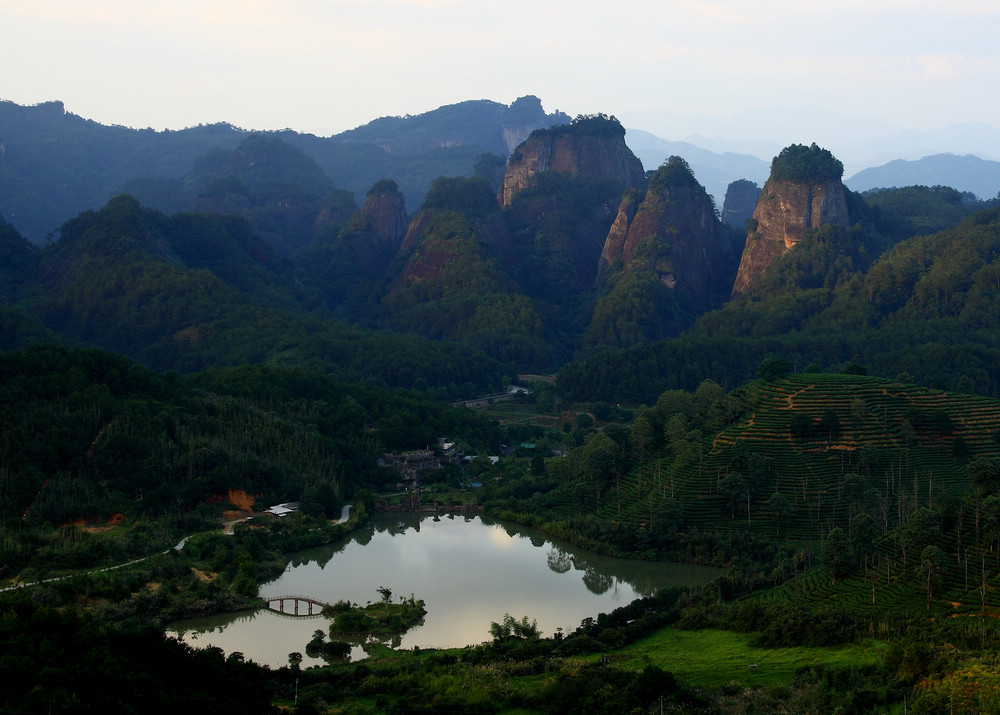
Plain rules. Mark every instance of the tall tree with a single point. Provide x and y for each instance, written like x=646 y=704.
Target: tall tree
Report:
x=835 y=552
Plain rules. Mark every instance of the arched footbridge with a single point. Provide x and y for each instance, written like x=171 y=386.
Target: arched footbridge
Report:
x=295 y=606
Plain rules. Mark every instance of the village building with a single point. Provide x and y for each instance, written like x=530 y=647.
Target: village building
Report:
x=282 y=510
x=409 y=464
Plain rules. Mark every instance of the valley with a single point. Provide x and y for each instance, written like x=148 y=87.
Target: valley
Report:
x=803 y=399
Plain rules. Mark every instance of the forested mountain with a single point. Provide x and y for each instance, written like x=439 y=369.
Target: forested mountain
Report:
x=519 y=280
x=199 y=290
x=54 y=164
x=527 y=283
x=925 y=308
x=252 y=281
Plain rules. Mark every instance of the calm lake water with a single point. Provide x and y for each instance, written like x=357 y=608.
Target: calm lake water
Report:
x=469 y=571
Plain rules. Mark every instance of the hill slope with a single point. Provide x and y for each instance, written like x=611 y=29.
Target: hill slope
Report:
x=926 y=308
x=195 y=291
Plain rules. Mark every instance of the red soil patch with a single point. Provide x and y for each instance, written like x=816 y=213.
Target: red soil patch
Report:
x=93 y=528
x=237 y=497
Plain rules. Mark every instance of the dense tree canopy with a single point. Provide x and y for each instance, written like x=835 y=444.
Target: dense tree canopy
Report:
x=806 y=165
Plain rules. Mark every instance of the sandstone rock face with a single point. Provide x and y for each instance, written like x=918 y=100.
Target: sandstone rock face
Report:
x=387 y=211
x=523 y=117
x=614 y=245
x=374 y=235
x=675 y=233
x=428 y=260
x=574 y=153
x=784 y=212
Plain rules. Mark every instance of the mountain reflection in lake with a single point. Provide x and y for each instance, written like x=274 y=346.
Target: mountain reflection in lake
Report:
x=469 y=571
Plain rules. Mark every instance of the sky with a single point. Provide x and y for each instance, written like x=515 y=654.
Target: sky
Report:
x=672 y=68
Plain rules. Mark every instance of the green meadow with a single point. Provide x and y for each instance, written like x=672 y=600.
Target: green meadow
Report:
x=711 y=658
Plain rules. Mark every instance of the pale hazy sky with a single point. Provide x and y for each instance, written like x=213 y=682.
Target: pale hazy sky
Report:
x=326 y=66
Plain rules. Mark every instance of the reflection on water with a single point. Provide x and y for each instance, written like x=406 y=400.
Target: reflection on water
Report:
x=558 y=560
x=469 y=571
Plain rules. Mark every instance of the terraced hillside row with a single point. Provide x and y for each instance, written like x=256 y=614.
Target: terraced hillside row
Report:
x=833 y=447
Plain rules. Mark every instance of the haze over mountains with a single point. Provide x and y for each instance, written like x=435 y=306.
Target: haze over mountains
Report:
x=54 y=164
x=446 y=251
x=859 y=141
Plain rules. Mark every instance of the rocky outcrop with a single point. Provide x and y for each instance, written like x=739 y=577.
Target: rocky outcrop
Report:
x=675 y=233
x=386 y=209
x=740 y=202
x=804 y=191
x=523 y=117
x=592 y=147
x=373 y=236
x=473 y=203
x=614 y=245
x=785 y=211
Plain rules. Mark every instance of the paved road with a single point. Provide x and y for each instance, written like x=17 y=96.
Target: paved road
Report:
x=344 y=514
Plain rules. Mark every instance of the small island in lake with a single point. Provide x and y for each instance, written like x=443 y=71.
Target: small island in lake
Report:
x=381 y=618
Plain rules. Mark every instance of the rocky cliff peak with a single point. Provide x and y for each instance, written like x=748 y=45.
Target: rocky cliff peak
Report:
x=740 y=202
x=524 y=116
x=675 y=233
x=386 y=207
x=803 y=191
x=455 y=211
x=590 y=146
x=368 y=241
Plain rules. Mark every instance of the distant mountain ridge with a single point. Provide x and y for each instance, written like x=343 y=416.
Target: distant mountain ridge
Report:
x=270 y=260
x=860 y=142
x=714 y=170
x=966 y=173
x=55 y=164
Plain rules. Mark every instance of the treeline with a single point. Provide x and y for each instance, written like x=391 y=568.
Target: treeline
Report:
x=55 y=661
x=806 y=165
x=921 y=210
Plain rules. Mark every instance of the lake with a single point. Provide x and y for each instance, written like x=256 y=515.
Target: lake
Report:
x=470 y=572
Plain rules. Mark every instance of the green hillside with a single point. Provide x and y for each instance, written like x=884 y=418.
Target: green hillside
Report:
x=759 y=479
x=926 y=308
x=89 y=437
x=193 y=291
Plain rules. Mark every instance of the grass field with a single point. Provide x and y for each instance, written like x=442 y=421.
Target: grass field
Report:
x=710 y=658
